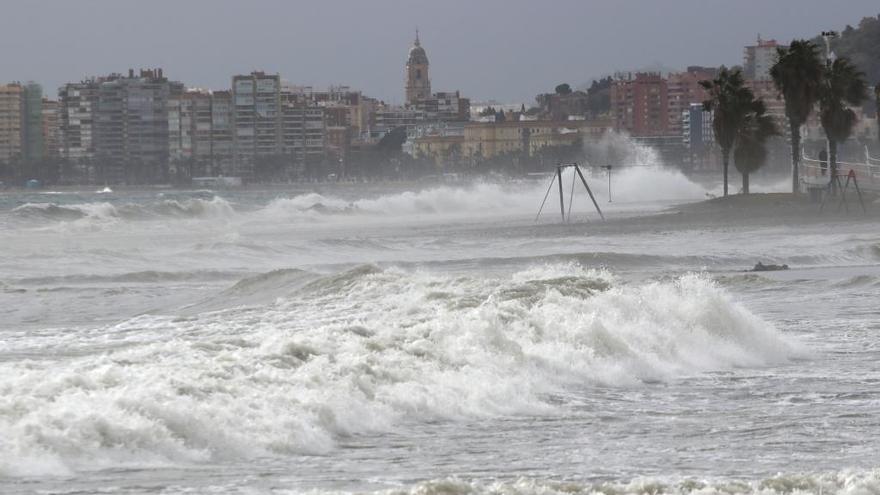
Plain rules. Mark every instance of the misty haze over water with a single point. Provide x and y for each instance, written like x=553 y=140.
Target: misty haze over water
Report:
x=362 y=338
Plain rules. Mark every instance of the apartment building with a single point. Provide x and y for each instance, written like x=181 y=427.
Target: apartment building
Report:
x=640 y=104
x=684 y=90
x=32 y=145
x=256 y=119
x=759 y=58
x=302 y=130
x=200 y=118
x=131 y=127
x=222 y=153
x=51 y=129
x=389 y=117
x=22 y=141
x=78 y=104
x=447 y=106
x=11 y=108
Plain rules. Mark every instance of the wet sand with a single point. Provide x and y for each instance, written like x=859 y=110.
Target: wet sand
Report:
x=755 y=210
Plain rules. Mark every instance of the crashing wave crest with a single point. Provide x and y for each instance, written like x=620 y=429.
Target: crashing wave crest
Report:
x=848 y=482
x=358 y=352
x=216 y=207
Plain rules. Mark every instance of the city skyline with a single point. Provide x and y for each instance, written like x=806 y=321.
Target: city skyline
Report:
x=485 y=57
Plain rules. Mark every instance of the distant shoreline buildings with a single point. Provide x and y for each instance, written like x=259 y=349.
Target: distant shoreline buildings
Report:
x=141 y=127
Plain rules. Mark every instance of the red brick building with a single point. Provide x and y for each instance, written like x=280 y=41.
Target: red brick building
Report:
x=684 y=90
x=640 y=104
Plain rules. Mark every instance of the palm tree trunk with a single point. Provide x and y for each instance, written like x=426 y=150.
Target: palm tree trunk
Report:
x=745 y=183
x=832 y=160
x=795 y=156
x=725 y=159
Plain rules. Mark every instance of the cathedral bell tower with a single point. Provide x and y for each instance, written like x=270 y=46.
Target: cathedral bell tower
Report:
x=418 y=85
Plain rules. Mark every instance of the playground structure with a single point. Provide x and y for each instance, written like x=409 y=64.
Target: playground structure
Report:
x=557 y=178
x=816 y=175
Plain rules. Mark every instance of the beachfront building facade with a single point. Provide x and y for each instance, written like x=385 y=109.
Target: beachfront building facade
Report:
x=51 y=132
x=77 y=106
x=302 y=132
x=23 y=129
x=256 y=120
x=131 y=127
x=11 y=108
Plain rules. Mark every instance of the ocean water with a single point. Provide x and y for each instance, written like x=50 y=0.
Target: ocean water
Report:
x=420 y=338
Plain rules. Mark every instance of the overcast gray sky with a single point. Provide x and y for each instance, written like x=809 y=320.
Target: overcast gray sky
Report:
x=508 y=50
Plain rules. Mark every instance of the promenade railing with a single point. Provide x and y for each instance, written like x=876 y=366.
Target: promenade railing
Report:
x=817 y=173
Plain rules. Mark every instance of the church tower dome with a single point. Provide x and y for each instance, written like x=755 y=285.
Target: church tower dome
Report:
x=418 y=84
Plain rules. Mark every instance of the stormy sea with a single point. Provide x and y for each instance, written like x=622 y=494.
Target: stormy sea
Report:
x=434 y=339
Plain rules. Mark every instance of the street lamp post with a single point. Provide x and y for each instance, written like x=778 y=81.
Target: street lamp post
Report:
x=829 y=59
x=608 y=168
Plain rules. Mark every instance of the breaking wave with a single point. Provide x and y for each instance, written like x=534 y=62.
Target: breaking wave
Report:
x=327 y=356
x=52 y=211
x=216 y=207
x=479 y=198
x=849 y=482
x=859 y=281
x=145 y=277
x=870 y=251
x=629 y=185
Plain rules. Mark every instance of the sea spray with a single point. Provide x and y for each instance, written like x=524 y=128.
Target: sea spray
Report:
x=637 y=172
x=357 y=352
x=478 y=198
x=435 y=204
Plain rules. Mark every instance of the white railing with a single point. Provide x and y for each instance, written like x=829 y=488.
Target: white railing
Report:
x=869 y=159
x=814 y=174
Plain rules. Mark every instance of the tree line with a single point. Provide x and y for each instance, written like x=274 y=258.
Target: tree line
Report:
x=742 y=126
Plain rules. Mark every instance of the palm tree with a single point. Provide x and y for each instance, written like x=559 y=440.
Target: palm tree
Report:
x=730 y=101
x=797 y=74
x=877 y=109
x=750 y=152
x=843 y=86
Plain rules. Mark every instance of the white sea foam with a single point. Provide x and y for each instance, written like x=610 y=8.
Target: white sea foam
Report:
x=638 y=175
x=86 y=216
x=54 y=211
x=357 y=352
x=629 y=185
x=846 y=482
x=480 y=198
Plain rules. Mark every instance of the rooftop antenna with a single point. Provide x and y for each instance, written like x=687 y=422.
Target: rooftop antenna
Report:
x=557 y=177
